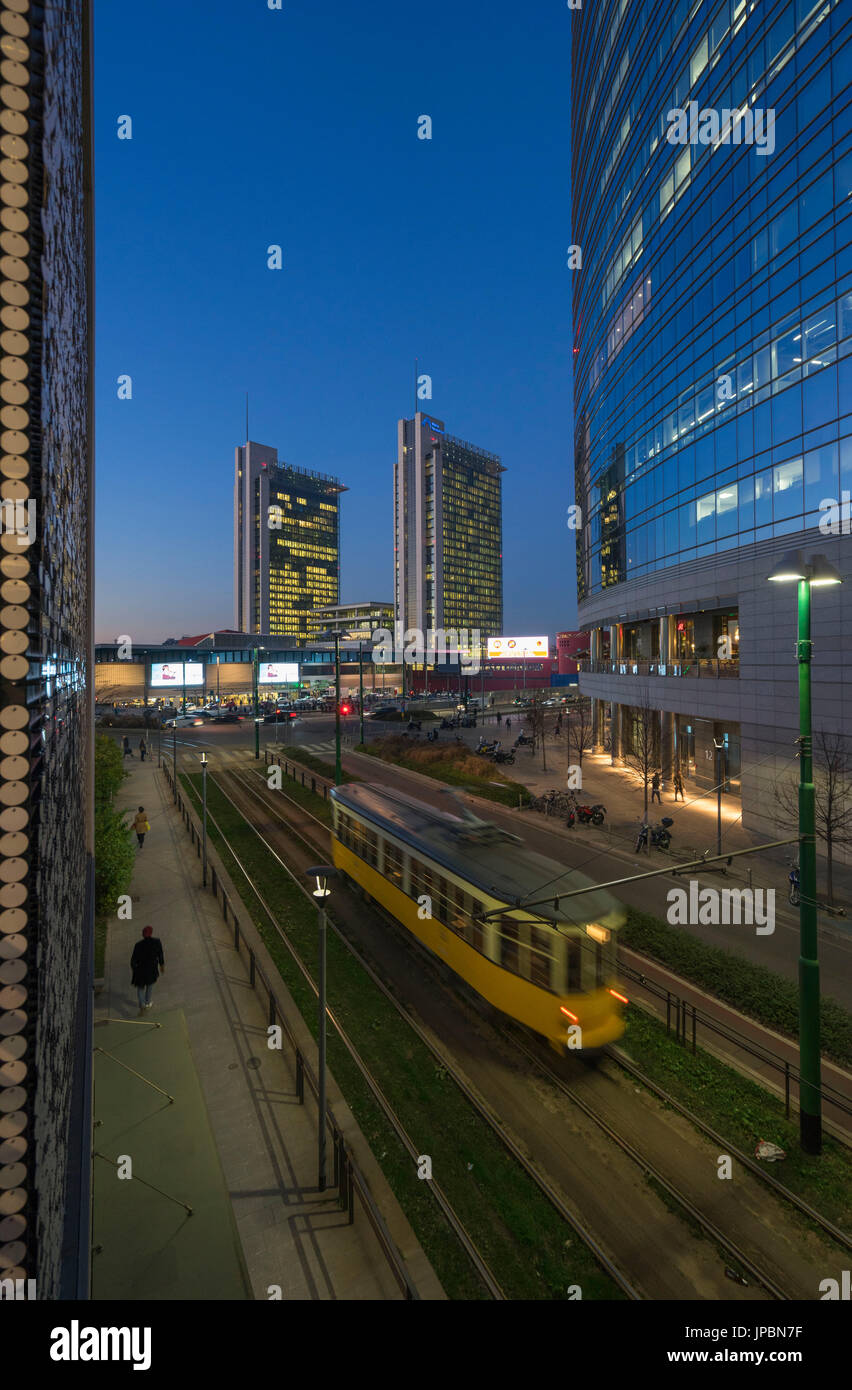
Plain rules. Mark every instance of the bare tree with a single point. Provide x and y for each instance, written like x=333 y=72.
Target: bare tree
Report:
x=832 y=798
x=641 y=747
x=536 y=718
x=579 y=731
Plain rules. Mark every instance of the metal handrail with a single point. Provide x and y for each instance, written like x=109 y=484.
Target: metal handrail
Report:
x=349 y=1174
x=714 y=668
x=684 y=1009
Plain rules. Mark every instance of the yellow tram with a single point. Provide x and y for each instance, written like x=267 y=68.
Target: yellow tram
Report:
x=459 y=883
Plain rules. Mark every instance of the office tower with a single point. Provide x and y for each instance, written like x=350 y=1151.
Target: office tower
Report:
x=712 y=373
x=286 y=544
x=448 y=547
x=46 y=632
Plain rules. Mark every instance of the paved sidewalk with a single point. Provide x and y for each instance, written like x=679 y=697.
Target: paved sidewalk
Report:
x=292 y=1236
x=620 y=791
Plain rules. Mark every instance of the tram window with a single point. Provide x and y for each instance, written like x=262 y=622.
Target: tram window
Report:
x=599 y=970
x=510 y=952
x=370 y=850
x=572 y=966
x=458 y=914
x=393 y=864
x=416 y=880
x=477 y=929
x=540 y=957
x=441 y=899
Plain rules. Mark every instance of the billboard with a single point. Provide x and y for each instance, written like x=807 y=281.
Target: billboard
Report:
x=278 y=673
x=175 y=673
x=518 y=646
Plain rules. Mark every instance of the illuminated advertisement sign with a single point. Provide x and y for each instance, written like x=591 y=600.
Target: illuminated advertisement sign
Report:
x=175 y=673
x=278 y=673
x=518 y=646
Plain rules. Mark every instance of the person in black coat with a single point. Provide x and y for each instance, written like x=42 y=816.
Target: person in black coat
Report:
x=146 y=963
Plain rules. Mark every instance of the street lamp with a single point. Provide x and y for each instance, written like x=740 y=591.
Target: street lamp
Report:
x=326 y=637
x=721 y=779
x=204 y=820
x=361 y=689
x=816 y=572
x=322 y=873
x=255 y=659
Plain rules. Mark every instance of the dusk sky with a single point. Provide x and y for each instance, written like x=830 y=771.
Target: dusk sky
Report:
x=298 y=127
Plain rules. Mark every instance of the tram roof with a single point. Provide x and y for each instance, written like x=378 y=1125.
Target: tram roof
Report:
x=486 y=855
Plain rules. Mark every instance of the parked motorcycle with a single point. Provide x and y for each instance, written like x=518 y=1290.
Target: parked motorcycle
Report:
x=595 y=814
x=660 y=835
x=504 y=756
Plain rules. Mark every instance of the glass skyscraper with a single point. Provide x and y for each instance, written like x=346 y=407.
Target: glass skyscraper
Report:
x=286 y=544
x=712 y=191
x=448 y=551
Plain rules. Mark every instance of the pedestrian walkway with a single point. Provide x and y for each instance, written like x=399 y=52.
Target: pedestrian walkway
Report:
x=236 y=1121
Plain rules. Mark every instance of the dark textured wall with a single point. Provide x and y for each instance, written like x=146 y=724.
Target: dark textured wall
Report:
x=45 y=926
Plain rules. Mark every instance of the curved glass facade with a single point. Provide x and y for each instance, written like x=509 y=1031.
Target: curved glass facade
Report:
x=713 y=309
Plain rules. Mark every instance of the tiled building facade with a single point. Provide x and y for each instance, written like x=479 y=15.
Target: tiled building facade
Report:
x=46 y=815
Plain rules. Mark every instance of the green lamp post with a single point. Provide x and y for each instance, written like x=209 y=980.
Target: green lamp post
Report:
x=813 y=573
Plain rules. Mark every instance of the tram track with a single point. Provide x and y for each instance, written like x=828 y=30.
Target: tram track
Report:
x=315 y=835
x=620 y=1058
x=488 y=1278
x=541 y=1180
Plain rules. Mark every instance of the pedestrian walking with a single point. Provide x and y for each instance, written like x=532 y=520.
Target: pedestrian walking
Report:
x=143 y=748
x=678 y=786
x=141 y=826
x=508 y=723
x=146 y=963
x=125 y=743
x=499 y=717
x=655 y=788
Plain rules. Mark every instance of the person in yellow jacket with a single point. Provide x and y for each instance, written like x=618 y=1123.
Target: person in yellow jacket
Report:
x=141 y=826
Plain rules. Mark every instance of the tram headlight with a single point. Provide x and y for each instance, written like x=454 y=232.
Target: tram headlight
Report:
x=601 y=934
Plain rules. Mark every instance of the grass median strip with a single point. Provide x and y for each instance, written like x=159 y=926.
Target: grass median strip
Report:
x=532 y=1252
x=760 y=993
x=743 y=1112
x=448 y=762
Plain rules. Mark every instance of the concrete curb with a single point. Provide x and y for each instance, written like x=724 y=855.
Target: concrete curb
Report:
x=418 y=1267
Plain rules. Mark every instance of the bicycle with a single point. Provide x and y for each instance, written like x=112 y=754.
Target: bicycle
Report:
x=793 y=877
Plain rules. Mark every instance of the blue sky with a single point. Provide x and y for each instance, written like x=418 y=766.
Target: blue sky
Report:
x=298 y=127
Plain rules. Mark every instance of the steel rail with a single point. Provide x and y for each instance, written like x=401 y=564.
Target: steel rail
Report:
x=443 y=1201
x=651 y=1170
x=542 y=1182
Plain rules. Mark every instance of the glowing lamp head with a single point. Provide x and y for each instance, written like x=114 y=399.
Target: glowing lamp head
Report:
x=789 y=568
x=321 y=873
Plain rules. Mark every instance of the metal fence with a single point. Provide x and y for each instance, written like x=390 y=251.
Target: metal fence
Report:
x=699 y=666
x=684 y=1019
x=347 y=1176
